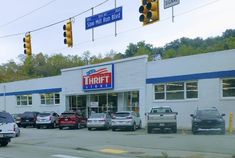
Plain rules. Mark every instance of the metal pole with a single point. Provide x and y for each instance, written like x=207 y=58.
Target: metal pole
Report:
x=93 y=38
x=115 y=5
x=4 y=88
x=172 y=14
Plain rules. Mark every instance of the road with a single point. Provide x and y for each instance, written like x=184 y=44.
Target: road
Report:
x=49 y=143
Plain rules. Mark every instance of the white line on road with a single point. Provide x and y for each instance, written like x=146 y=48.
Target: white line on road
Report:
x=65 y=156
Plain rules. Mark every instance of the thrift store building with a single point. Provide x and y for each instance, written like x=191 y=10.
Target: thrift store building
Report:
x=183 y=83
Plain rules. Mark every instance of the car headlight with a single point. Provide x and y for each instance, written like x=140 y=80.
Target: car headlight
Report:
x=220 y=120
x=197 y=120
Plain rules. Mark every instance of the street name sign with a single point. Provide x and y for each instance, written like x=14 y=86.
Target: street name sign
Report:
x=170 y=3
x=104 y=18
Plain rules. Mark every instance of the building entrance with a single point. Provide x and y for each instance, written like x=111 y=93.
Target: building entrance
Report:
x=105 y=102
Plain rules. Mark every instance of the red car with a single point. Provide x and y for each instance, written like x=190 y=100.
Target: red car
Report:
x=73 y=120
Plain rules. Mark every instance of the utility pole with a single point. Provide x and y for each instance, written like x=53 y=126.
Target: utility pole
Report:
x=4 y=89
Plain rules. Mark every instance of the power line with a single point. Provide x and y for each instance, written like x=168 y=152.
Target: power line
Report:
x=58 y=22
x=123 y=32
x=27 y=14
x=140 y=27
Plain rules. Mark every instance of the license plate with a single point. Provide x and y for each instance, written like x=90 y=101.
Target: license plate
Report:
x=27 y=120
x=1 y=135
x=161 y=124
x=66 y=119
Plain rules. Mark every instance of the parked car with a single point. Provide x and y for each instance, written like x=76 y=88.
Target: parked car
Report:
x=7 y=128
x=162 y=118
x=17 y=118
x=29 y=119
x=47 y=119
x=208 y=120
x=72 y=120
x=99 y=120
x=126 y=120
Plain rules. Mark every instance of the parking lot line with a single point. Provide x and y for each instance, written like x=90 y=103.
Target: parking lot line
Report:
x=65 y=156
x=113 y=151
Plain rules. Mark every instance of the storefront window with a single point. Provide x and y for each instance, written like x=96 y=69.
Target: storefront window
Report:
x=24 y=100
x=50 y=98
x=176 y=91
x=228 y=86
x=159 y=92
x=191 y=90
x=77 y=103
x=131 y=101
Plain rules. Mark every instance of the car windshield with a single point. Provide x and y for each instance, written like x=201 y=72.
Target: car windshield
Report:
x=44 y=114
x=160 y=110
x=6 y=118
x=28 y=114
x=207 y=113
x=97 y=115
x=122 y=114
x=67 y=114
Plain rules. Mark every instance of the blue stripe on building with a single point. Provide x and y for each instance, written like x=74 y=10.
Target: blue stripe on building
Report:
x=39 y=91
x=208 y=75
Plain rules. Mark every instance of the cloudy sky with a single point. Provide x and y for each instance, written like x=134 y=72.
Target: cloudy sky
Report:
x=200 y=18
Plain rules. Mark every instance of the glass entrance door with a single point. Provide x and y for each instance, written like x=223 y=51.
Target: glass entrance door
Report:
x=105 y=102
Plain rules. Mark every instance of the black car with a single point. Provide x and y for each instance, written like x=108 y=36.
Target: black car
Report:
x=29 y=119
x=208 y=120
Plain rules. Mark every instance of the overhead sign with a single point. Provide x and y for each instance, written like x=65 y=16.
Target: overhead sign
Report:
x=104 y=18
x=98 y=78
x=170 y=3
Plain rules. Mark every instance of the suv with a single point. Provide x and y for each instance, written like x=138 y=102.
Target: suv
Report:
x=7 y=128
x=207 y=120
x=72 y=119
x=29 y=119
x=126 y=119
x=47 y=119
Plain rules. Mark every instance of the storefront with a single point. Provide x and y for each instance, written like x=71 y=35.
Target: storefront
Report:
x=183 y=83
x=106 y=88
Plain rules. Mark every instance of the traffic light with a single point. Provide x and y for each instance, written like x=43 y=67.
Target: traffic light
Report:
x=27 y=44
x=149 y=11
x=68 y=35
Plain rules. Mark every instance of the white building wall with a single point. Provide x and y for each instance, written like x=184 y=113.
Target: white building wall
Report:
x=30 y=85
x=129 y=75
x=209 y=89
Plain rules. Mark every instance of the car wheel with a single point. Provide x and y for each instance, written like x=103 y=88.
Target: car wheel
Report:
x=174 y=129
x=113 y=129
x=38 y=127
x=89 y=128
x=4 y=143
x=194 y=130
x=149 y=129
x=140 y=125
x=78 y=126
x=60 y=128
x=133 y=128
x=223 y=130
x=53 y=125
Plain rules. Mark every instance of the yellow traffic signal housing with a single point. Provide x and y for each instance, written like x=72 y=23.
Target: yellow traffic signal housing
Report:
x=149 y=11
x=68 y=34
x=27 y=44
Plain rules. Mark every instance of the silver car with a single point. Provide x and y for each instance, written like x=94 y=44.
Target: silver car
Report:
x=126 y=120
x=47 y=119
x=99 y=120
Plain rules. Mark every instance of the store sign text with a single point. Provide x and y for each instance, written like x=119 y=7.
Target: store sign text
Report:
x=98 y=78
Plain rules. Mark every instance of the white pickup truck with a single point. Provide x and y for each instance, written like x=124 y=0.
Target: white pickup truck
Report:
x=161 y=118
x=7 y=128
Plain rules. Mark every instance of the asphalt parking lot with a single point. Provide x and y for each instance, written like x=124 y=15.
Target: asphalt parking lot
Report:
x=82 y=143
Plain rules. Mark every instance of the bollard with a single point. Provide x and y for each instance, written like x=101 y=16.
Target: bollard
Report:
x=230 y=128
